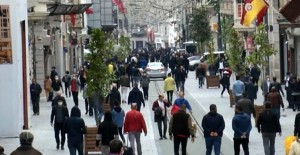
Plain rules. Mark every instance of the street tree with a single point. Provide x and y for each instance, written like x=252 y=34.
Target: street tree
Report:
x=199 y=27
x=234 y=50
x=98 y=77
x=123 y=49
x=263 y=48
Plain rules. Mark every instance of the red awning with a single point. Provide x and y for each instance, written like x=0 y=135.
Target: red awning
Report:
x=291 y=10
x=89 y=11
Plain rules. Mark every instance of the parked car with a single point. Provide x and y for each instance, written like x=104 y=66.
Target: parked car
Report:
x=217 y=54
x=194 y=61
x=156 y=70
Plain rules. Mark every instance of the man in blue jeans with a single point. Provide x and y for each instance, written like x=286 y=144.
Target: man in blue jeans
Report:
x=213 y=125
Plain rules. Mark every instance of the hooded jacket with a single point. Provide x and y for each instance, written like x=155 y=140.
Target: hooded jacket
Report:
x=106 y=130
x=213 y=122
x=136 y=96
x=75 y=127
x=118 y=115
x=241 y=123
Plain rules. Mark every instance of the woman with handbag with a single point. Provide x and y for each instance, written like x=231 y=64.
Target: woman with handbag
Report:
x=160 y=114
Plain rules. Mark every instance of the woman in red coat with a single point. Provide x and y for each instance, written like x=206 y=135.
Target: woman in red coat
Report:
x=160 y=114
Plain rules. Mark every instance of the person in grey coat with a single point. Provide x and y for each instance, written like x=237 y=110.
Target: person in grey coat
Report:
x=145 y=80
x=96 y=100
x=265 y=87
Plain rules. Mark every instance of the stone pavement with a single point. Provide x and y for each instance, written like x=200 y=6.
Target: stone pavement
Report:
x=44 y=134
x=204 y=97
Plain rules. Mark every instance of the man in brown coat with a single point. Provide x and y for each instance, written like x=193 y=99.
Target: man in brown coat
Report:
x=276 y=100
x=26 y=139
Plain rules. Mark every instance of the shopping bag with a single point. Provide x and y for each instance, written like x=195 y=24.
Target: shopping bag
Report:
x=127 y=150
x=175 y=108
x=288 y=142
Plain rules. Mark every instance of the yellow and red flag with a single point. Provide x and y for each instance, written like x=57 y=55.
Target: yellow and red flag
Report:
x=253 y=8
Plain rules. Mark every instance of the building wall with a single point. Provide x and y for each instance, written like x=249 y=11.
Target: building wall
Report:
x=11 y=95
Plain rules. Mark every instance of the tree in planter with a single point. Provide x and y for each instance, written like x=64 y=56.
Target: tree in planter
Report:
x=199 y=27
x=211 y=59
x=124 y=48
x=264 y=50
x=235 y=47
x=98 y=77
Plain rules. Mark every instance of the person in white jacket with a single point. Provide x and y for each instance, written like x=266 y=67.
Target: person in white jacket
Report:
x=295 y=147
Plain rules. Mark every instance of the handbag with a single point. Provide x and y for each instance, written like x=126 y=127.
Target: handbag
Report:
x=127 y=150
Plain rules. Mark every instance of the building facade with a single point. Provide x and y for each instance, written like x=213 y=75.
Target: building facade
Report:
x=14 y=101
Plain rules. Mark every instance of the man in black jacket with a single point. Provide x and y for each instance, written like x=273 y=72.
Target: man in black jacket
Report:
x=113 y=95
x=277 y=85
x=180 y=77
x=213 y=125
x=247 y=105
x=136 y=96
x=58 y=98
x=268 y=124
x=35 y=91
x=180 y=127
x=59 y=114
x=107 y=131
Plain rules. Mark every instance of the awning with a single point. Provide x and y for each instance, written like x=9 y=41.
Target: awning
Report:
x=291 y=10
x=64 y=9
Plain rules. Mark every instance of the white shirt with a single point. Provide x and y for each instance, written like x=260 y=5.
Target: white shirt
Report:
x=162 y=106
x=287 y=79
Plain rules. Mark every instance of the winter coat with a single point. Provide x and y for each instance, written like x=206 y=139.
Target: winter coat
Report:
x=114 y=95
x=26 y=150
x=118 y=116
x=180 y=101
x=251 y=90
x=241 y=123
x=75 y=85
x=268 y=122
x=56 y=85
x=75 y=127
x=180 y=75
x=247 y=106
x=277 y=85
x=59 y=99
x=295 y=148
x=275 y=99
x=124 y=81
x=169 y=84
x=134 y=122
x=225 y=81
x=60 y=113
x=136 y=96
x=181 y=124
x=145 y=80
x=213 y=122
x=47 y=84
x=107 y=129
x=156 y=105
x=35 y=90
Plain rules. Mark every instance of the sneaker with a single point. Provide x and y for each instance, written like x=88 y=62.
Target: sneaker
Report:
x=57 y=146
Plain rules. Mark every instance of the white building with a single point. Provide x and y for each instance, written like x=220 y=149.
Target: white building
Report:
x=14 y=101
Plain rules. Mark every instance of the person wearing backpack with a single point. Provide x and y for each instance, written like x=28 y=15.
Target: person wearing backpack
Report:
x=67 y=81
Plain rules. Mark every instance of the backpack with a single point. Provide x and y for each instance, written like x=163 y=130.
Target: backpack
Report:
x=67 y=79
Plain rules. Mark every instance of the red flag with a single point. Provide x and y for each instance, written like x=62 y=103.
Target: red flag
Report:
x=89 y=11
x=73 y=19
x=261 y=14
x=116 y=2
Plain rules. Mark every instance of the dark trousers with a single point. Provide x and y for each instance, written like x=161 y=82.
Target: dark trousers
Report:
x=237 y=142
x=201 y=81
x=88 y=107
x=225 y=87
x=161 y=122
x=73 y=147
x=58 y=128
x=35 y=105
x=145 y=91
x=170 y=96
x=67 y=90
x=177 y=142
x=177 y=85
x=121 y=134
x=213 y=142
x=75 y=97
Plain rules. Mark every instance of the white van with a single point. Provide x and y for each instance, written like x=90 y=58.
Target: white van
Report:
x=217 y=54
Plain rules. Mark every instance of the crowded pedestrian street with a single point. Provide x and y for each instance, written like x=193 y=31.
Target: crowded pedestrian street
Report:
x=199 y=98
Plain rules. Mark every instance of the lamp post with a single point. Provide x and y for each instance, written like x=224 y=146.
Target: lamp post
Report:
x=219 y=39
